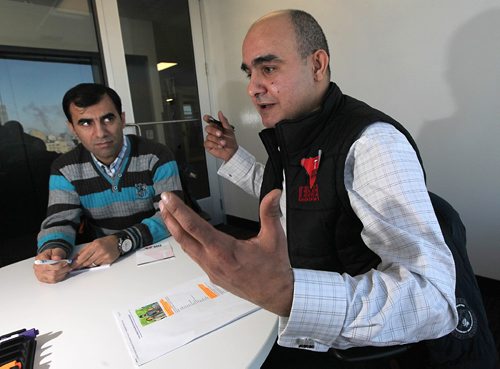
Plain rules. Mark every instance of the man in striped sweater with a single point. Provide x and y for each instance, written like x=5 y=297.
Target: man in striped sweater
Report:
x=105 y=191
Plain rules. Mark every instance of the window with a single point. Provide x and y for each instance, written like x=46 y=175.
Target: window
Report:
x=161 y=71
x=46 y=48
x=31 y=88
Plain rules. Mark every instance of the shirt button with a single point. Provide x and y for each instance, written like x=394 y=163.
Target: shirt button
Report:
x=115 y=188
x=119 y=175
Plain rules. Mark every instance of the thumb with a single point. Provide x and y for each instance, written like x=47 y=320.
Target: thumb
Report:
x=270 y=206
x=224 y=121
x=270 y=214
x=57 y=254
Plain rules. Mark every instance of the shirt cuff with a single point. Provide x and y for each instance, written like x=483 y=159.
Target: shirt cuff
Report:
x=240 y=164
x=56 y=245
x=318 y=311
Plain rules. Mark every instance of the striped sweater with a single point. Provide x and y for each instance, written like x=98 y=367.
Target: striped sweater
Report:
x=80 y=192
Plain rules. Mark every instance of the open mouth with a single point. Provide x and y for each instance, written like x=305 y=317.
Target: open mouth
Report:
x=265 y=106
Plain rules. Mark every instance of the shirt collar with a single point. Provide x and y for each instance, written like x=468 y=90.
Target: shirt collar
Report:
x=112 y=168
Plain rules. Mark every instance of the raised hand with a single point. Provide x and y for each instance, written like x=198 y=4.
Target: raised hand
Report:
x=220 y=142
x=257 y=269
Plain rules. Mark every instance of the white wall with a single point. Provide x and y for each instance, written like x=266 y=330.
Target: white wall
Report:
x=434 y=66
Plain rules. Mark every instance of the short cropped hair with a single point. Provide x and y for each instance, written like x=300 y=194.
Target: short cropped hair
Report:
x=309 y=34
x=84 y=95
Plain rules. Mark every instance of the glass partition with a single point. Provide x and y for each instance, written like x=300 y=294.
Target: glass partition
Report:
x=183 y=137
x=162 y=76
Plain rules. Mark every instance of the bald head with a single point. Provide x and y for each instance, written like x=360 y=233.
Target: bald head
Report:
x=309 y=35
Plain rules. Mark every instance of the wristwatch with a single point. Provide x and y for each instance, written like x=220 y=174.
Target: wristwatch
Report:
x=124 y=243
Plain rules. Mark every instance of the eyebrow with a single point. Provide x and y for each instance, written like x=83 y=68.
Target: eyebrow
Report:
x=105 y=116
x=259 y=60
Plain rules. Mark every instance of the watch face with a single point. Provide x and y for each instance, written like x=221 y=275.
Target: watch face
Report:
x=126 y=245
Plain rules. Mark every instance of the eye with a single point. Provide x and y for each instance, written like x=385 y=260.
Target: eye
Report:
x=108 y=119
x=268 y=69
x=84 y=123
x=247 y=72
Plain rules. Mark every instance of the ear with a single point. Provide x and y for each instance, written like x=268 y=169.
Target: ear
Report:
x=320 y=61
x=71 y=128
x=122 y=116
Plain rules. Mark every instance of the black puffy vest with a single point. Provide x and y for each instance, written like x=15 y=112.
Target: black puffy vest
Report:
x=323 y=232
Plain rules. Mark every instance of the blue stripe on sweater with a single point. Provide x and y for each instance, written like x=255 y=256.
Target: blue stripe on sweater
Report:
x=55 y=236
x=157 y=228
x=57 y=182
x=105 y=198
x=166 y=170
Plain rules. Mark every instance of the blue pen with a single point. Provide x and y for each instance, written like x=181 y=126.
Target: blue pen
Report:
x=50 y=262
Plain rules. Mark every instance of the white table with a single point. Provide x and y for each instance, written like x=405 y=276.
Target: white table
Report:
x=78 y=330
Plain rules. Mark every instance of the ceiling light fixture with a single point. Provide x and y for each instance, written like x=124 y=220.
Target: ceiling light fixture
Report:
x=164 y=65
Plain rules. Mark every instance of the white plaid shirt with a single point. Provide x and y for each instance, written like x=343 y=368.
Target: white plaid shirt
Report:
x=411 y=295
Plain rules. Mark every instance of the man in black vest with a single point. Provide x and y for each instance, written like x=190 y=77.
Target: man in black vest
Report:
x=363 y=261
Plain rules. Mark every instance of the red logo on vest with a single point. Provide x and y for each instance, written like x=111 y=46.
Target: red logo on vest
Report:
x=311 y=192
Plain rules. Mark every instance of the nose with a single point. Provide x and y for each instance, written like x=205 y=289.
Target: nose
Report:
x=255 y=87
x=100 y=130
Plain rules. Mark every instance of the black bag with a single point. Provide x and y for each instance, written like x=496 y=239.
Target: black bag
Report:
x=471 y=344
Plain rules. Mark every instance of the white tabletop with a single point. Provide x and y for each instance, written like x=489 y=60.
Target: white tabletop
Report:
x=78 y=330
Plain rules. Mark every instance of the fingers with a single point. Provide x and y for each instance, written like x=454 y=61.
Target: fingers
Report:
x=196 y=236
x=51 y=254
x=101 y=251
x=219 y=129
x=51 y=273
x=215 y=134
x=220 y=140
x=47 y=275
x=190 y=246
x=187 y=220
x=213 y=128
x=212 y=143
x=82 y=259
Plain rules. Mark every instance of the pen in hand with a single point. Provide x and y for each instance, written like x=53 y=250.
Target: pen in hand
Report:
x=218 y=123
x=51 y=262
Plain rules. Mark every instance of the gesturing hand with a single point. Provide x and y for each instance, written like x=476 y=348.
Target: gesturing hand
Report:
x=221 y=143
x=257 y=270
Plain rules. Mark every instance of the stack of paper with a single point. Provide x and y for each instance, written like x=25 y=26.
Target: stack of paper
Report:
x=158 y=325
x=152 y=253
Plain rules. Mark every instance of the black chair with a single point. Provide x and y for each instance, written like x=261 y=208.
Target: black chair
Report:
x=24 y=177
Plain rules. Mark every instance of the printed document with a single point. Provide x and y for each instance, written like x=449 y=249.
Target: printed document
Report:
x=156 y=252
x=158 y=325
